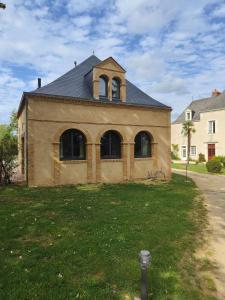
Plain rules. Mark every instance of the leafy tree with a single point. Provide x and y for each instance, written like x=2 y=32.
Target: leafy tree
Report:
x=8 y=149
x=175 y=151
x=187 y=130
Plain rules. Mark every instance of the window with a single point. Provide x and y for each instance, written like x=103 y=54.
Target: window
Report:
x=184 y=151
x=142 y=147
x=116 y=88
x=72 y=145
x=188 y=115
x=193 y=151
x=103 y=86
x=212 y=127
x=110 y=145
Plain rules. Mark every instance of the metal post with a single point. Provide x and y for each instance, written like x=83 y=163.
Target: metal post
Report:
x=145 y=260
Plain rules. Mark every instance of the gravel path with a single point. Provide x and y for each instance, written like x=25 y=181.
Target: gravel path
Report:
x=213 y=189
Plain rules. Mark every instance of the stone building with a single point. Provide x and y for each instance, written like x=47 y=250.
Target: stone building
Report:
x=208 y=117
x=92 y=125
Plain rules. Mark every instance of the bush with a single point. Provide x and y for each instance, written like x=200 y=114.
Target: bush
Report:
x=174 y=156
x=201 y=157
x=221 y=159
x=214 y=166
x=175 y=152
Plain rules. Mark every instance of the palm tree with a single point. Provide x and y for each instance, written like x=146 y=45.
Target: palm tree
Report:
x=2 y=5
x=187 y=130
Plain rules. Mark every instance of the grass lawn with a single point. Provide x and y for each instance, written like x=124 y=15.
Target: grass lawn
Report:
x=199 y=168
x=82 y=242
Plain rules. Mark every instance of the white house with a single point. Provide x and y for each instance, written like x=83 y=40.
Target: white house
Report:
x=208 y=117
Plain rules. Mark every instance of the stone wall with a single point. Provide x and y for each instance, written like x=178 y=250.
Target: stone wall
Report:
x=48 y=118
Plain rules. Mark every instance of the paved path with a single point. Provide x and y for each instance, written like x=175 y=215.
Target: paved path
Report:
x=213 y=189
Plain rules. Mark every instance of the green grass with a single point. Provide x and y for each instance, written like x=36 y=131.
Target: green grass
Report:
x=82 y=242
x=199 y=168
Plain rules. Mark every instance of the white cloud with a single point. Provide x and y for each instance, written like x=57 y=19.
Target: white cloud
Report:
x=219 y=11
x=172 y=51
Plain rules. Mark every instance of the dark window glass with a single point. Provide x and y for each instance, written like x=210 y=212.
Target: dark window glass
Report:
x=142 y=145
x=103 y=86
x=110 y=145
x=72 y=145
x=116 y=88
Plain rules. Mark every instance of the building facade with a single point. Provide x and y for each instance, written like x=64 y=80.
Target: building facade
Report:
x=208 y=117
x=92 y=125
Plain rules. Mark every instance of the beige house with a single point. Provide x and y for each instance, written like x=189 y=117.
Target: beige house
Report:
x=208 y=117
x=92 y=125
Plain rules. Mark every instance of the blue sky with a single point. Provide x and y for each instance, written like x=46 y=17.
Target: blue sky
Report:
x=173 y=50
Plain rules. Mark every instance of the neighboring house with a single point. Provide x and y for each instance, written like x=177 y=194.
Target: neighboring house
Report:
x=92 y=125
x=208 y=117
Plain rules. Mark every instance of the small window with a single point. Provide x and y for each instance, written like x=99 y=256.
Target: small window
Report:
x=72 y=145
x=212 y=127
x=142 y=147
x=193 y=151
x=184 y=151
x=111 y=145
x=188 y=116
x=116 y=88
x=103 y=86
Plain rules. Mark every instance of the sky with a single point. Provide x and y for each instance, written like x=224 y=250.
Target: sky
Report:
x=172 y=50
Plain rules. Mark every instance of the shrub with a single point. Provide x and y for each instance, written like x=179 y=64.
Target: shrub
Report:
x=175 y=151
x=214 y=166
x=174 y=156
x=221 y=159
x=201 y=157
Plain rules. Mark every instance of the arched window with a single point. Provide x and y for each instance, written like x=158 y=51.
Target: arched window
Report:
x=103 y=86
x=72 y=145
x=116 y=88
x=110 y=145
x=142 y=147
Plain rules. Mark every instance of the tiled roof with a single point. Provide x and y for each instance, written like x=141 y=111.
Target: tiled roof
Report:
x=77 y=84
x=203 y=105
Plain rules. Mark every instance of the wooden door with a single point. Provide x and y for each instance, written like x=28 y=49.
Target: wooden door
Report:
x=211 y=151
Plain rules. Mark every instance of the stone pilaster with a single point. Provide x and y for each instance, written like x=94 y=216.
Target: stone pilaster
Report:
x=56 y=164
x=131 y=161
x=98 y=162
x=125 y=157
x=89 y=163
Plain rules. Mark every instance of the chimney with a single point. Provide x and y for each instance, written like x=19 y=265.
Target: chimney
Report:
x=216 y=93
x=39 y=83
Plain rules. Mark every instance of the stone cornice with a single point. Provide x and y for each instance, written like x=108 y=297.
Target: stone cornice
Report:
x=69 y=100
x=99 y=123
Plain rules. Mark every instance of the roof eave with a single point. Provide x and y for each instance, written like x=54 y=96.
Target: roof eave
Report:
x=21 y=105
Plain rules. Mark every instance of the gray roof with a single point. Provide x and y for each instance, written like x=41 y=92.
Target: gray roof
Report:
x=203 y=105
x=77 y=83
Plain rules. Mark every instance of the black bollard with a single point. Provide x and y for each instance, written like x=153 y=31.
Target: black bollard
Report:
x=145 y=260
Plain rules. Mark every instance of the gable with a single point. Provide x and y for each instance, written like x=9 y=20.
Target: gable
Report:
x=110 y=64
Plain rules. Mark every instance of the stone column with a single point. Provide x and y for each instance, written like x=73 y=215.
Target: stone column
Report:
x=98 y=162
x=89 y=163
x=56 y=164
x=131 y=161
x=126 y=158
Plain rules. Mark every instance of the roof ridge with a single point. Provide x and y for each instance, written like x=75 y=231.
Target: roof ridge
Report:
x=73 y=69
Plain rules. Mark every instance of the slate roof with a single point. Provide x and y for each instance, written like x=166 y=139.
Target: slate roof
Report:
x=203 y=105
x=77 y=83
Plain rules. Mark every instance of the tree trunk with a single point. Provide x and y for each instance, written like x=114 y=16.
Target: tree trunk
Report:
x=188 y=147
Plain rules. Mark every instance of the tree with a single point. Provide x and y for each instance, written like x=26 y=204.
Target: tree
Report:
x=175 y=151
x=187 y=130
x=8 y=150
x=2 y=5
